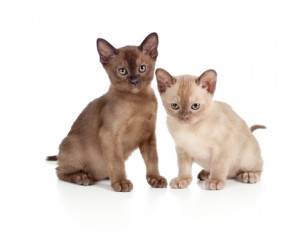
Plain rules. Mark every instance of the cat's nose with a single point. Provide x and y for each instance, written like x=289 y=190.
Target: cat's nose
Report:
x=184 y=117
x=133 y=80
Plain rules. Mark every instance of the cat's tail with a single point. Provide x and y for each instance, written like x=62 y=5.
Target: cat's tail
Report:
x=254 y=127
x=52 y=158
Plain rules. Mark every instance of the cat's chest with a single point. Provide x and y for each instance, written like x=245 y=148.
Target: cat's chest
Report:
x=194 y=142
x=137 y=121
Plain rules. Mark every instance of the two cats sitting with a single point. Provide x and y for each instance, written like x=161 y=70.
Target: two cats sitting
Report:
x=206 y=132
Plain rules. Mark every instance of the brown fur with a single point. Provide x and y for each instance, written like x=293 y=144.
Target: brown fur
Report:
x=255 y=127
x=52 y=158
x=114 y=125
x=207 y=132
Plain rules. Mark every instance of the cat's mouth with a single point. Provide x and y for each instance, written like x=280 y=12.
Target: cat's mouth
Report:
x=135 y=85
x=184 y=119
x=135 y=88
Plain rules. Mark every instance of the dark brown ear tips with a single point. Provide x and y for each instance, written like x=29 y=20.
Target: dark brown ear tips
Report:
x=164 y=80
x=150 y=44
x=106 y=50
x=208 y=80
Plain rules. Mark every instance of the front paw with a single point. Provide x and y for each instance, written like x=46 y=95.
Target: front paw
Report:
x=214 y=184
x=122 y=186
x=180 y=183
x=157 y=181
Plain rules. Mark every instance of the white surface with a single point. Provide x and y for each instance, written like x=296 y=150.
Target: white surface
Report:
x=50 y=70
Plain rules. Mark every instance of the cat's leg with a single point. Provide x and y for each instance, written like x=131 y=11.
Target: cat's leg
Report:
x=184 y=170
x=218 y=173
x=252 y=164
x=72 y=166
x=113 y=156
x=149 y=153
x=119 y=181
x=78 y=177
x=250 y=175
x=203 y=175
x=117 y=174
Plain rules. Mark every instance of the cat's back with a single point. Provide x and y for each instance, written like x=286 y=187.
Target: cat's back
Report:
x=89 y=120
x=225 y=115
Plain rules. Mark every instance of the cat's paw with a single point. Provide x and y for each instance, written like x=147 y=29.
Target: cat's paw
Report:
x=82 y=178
x=214 y=184
x=157 y=181
x=249 y=177
x=203 y=175
x=180 y=183
x=122 y=186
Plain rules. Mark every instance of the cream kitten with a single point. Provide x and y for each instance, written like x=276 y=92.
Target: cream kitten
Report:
x=207 y=132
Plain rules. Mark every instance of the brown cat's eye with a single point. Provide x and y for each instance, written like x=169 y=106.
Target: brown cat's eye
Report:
x=174 y=106
x=122 y=71
x=195 y=106
x=142 y=68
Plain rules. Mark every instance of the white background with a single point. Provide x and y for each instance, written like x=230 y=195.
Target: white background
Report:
x=50 y=70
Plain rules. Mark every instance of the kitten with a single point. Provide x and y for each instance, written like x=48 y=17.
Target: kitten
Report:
x=207 y=132
x=112 y=126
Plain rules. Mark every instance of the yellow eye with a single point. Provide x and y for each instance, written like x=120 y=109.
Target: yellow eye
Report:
x=142 y=68
x=122 y=71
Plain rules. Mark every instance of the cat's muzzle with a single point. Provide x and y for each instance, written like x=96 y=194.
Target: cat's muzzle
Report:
x=133 y=80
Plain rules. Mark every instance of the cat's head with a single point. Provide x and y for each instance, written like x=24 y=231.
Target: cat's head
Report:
x=186 y=98
x=130 y=68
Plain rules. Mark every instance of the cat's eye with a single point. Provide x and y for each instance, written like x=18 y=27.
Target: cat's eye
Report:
x=174 y=106
x=142 y=68
x=195 y=106
x=122 y=71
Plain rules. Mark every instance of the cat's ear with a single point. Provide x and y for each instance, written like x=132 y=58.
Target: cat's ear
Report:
x=106 y=51
x=164 y=80
x=149 y=45
x=208 y=81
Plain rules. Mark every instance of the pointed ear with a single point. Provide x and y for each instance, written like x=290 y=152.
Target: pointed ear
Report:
x=150 y=44
x=208 y=80
x=164 y=80
x=106 y=51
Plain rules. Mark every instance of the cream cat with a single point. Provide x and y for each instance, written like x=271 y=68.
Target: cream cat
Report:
x=207 y=132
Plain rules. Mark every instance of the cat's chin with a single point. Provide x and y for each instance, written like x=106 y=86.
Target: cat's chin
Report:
x=184 y=121
x=135 y=90
x=129 y=88
x=189 y=121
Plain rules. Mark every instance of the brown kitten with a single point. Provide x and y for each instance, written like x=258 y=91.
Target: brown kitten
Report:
x=114 y=125
x=207 y=132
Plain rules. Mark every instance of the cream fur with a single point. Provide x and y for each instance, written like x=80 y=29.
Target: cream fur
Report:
x=214 y=136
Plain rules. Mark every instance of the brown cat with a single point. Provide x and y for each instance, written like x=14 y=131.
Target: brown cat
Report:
x=207 y=132
x=112 y=126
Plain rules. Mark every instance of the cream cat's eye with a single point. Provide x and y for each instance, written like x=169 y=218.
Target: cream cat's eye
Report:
x=195 y=106
x=174 y=106
x=122 y=71
x=142 y=68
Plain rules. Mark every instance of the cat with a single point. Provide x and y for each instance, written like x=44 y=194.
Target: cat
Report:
x=112 y=126
x=207 y=132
